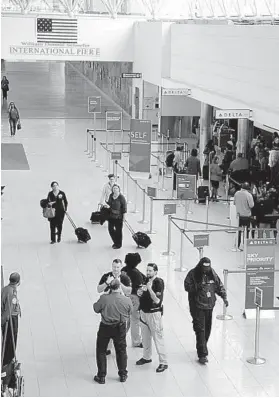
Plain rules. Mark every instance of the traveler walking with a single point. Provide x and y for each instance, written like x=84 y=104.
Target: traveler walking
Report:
x=151 y=311
x=10 y=311
x=118 y=208
x=202 y=284
x=215 y=178
x=5 y=88
x=107 y=190
x=115 y=310
x=132 y=260
x=14 y=118
x=244 y=202
x=58 y=200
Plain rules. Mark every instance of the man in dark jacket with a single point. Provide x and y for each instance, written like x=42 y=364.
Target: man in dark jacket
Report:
x=202 y=284
x=132 y=260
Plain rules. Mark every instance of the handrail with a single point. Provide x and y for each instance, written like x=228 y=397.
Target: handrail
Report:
x=204 y=223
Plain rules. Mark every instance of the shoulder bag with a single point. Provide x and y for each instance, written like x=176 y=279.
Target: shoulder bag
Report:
x=49 y=212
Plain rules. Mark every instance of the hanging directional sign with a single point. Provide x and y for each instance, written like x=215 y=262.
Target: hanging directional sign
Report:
x=233 y=114
x=94 y=105
x=131 y=75
x=113 y=121
x=176 y=91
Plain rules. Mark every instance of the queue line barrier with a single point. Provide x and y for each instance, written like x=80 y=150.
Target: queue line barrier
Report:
x=256 y=359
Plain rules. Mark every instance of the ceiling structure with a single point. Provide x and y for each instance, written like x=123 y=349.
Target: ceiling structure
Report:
x=154 y=9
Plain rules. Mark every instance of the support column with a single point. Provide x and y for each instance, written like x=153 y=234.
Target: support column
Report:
x=205 y=128
x=244 y=136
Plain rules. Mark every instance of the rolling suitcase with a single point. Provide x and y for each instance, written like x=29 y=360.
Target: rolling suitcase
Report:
x=100 y=216
x=141 y=239
x=203 y=192
x=81 y=233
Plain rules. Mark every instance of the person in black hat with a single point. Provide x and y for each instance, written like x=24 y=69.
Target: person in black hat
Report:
x=10 y=311
x=132 y=260
x=202 y=284
x=115 y=309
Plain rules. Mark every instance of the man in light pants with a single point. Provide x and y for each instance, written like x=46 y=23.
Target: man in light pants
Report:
x=151 y=298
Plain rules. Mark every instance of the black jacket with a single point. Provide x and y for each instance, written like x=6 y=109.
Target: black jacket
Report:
x=202 y=288
x=137 y=278
x=60 y=205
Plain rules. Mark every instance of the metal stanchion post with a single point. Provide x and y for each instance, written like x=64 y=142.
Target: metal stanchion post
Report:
x=122 y=139
x=169 y=252
x=116 y=171
x=163 y=180
x=114 y=141
x=151 y=231
x=256 y=360
x=200 y=249
x=181 y=268
x=2 y=277
x=109 y=164
x=95 y=151
x=136 y=194
x=127 y=194
x=225 y=316
x=245 y=247
x=123 y=180
x=91 y=153
x=143 y=221
x=207 y=212
x=87 y=141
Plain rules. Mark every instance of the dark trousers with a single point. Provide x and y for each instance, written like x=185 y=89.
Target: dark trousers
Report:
x=243 y=222
x=118 y=334
x=13 y=124
x=202 y=322
x=4 y=94
x=9 y=349
x=115 y=228
x=56 y=225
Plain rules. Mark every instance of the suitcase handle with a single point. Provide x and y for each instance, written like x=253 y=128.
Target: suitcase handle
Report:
x=71 y=220
x=129 y=227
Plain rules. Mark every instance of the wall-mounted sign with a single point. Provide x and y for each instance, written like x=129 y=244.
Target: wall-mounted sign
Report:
x=260 y=255
x=233 y=114
x=113 y=121
x=169 y=208
x=140 y=146
x=201 y=240
x=148 y=103
x=152 y=192
x=94 y=105
x=116 y=155
x=176 y=91
x=131 y=75
x=42 y=49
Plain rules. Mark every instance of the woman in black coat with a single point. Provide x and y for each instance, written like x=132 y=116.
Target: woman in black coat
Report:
x=57 y=199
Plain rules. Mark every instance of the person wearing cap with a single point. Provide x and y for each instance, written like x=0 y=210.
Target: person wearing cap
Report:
x=202 y=284
x=151 y=310
x=10 y=311
x=107 y=189
x=132 y=260
x=115 y=310
x=244 y=203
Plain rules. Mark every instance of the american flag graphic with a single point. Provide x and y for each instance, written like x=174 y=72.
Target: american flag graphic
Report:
x=54 y=30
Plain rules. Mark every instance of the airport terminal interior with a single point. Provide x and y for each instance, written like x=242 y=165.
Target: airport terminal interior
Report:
x=203 y=76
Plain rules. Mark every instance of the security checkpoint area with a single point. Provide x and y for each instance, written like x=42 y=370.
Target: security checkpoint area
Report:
x=140 y=198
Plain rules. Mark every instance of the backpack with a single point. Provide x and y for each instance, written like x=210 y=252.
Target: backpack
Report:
x=169 y=159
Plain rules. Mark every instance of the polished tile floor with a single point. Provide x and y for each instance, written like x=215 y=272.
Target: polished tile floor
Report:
x=58 y=326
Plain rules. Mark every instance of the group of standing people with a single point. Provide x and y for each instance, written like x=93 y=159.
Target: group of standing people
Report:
x=133 y=300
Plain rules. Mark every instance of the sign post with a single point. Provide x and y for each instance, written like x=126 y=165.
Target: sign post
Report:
x=260 y=255
x=258 y=301
x=200 y=241
x=140 y=148
x=94 y=106
x=114 y=123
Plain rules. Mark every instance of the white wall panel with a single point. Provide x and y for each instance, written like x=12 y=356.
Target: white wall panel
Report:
x=229 y=64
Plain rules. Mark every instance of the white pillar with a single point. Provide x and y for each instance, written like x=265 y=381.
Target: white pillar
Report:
x=205 y=128
x=244 y=135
